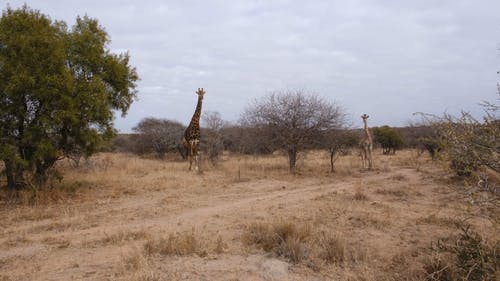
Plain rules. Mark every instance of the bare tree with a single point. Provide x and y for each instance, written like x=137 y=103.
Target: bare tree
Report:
x=470 y=143
x=293 y=120
x=158 y=136
x=213 y=138
x=338 y=142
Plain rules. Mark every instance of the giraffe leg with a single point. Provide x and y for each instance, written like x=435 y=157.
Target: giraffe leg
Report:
x=193 y=154
x=363 y=157
x=366 y=162
x=370 y=159
x=196 y=156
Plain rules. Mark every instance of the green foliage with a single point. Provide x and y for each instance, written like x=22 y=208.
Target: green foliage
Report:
x=59 y=88
x=157 y=136
x=472 y=258
x=472 y=143
x=389 y=138
x=433 y=145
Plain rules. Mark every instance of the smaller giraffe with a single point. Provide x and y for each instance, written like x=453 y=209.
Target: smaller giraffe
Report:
x=192 y=135
x=366 y=145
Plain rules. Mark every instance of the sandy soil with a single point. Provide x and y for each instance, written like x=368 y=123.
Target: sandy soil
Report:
x=100 y=231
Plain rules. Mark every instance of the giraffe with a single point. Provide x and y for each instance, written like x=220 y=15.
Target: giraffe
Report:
x=366 y=144
x=191 y=137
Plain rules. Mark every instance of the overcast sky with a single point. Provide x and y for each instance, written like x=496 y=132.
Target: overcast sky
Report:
x=384 y=58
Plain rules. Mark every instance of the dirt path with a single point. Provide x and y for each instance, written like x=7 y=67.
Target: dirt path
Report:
x=90 y=241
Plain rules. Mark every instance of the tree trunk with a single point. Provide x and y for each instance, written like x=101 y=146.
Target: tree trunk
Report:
x=41 y=170
x=13 y=174
x=332 y=155
x=9 y=173
x=292 y=159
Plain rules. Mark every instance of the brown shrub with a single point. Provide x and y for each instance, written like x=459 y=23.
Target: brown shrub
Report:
x=284 y=239
x=179 y=244
x=332 y=249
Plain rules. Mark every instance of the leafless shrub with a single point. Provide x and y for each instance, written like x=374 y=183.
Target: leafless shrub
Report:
x=470 y=143
x=338 y=143
x=213 y=141
x=438 y=269
x=293 y=120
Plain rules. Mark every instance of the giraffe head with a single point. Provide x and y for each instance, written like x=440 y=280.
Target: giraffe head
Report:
x=364 y=117
x=200 y=93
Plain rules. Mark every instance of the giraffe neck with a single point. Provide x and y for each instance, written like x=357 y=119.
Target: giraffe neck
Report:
x=195 y=121
x=368 y=136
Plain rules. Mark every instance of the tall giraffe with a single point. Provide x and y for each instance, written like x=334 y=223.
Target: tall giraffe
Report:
x=191 y=137
x=366 y=144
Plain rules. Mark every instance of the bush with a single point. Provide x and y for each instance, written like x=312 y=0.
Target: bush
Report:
x=60 y=89
x=293 y=120
x=179 y=244
x=472 y=258
x=158 y=136
x=338 y=142
x=431 y=145
x=282 y=238
x=212 y=138
x=389 y=138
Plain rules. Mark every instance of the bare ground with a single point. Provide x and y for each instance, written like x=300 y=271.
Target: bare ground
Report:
x=98 y=226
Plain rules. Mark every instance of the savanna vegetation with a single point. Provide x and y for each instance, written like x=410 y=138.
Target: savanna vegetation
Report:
x=59 y=88
x=282 y=194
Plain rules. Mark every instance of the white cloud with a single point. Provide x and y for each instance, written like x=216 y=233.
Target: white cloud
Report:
x=386 y=58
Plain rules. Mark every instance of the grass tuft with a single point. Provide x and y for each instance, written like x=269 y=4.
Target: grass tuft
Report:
x=178 y=244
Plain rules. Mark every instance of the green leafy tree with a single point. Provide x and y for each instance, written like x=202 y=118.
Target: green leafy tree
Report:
x=389 y=138
x=59 y=89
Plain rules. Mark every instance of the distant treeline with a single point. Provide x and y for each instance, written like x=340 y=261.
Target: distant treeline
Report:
x=239 y=139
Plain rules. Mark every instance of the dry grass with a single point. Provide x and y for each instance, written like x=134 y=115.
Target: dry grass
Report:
x=398 y=177
x=439 y=220
x=285 y=239
x=19 y=239
x=399 y=193
x=360 y=195
x=132 y=218
x=220 y=246
x=121 y=237
x=59 y=243
x=332 y=248
x=179 y=244
x=136 y=267
x=297 y=243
